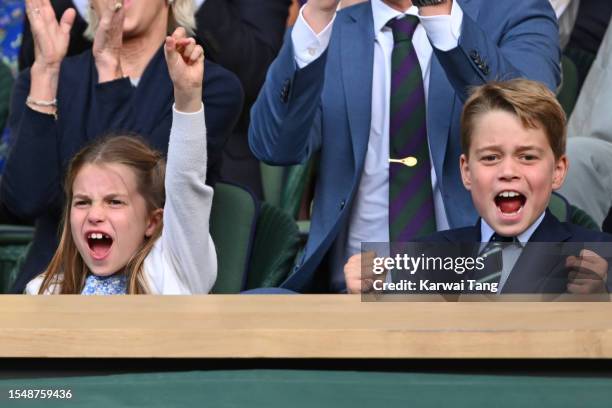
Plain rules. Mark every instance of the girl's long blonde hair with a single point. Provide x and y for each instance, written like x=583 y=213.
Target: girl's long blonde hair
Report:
x=67 y=268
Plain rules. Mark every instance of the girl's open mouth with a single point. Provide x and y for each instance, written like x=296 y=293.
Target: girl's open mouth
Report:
x=99 y=244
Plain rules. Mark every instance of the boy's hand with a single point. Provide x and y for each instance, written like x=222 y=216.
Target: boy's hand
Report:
x=588 y=273
x=359 y=273
x=185 y=61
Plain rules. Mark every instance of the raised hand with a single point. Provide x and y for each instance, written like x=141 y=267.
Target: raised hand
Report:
x=51 y=38
x=318 y=13
x=185 y=61
x=109 y=40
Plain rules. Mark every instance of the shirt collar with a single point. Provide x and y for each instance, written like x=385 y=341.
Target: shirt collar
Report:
x=486 y=232
x=383 y=13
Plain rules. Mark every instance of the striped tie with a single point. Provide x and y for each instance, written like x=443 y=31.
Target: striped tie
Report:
x=493 y=259
x=411 y=208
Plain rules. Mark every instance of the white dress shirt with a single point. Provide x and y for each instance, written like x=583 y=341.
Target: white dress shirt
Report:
x=369 y=220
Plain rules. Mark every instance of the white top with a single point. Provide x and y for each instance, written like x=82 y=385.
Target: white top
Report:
x=183 y=260
x=369 y=220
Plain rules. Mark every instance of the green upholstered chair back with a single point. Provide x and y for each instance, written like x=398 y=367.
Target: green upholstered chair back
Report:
x=274 y=249
x=568 y=93
x=582 y=61
x=14 y=242
x=284 y=186
x=565 y=212
x=232 y=226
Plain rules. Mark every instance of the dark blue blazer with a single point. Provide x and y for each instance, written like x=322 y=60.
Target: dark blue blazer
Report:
x=538 y=271
x=32 y=182
x=326 y=108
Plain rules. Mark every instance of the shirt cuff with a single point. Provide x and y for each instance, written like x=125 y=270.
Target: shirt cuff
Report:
x=444 y=30
x=188 y=113
x=307 y=45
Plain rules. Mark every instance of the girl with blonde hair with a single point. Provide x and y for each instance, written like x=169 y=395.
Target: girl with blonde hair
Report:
x=122 y=233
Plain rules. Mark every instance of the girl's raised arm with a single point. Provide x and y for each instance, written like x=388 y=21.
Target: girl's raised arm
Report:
x=188 y=251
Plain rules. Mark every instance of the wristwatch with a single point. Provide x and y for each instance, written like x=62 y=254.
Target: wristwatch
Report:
x=425 y=3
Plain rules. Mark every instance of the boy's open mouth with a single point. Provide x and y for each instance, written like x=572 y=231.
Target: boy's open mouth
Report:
x=99 y=244
x=510 y=202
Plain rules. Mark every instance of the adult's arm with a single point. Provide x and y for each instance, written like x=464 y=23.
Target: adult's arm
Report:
x=285 y=119
x=30 y=181
x=243 y=36
x=528 y=47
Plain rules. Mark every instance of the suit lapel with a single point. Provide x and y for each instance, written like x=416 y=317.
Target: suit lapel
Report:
x=357 y=51
x=440 y=108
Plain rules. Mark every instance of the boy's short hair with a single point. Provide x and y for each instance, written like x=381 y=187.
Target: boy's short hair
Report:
x=532 y=102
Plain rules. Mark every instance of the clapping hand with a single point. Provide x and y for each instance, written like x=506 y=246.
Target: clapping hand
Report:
x=185 y=61
x=109 y=40
x=51 y=38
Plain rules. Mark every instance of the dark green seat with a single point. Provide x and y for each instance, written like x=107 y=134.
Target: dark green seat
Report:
x=232 y=226
x=14 y=242
x=565 y=212
x=582 y=61
x=256 y=244
x=568 y=93
x=284 y=186
x=276 y=244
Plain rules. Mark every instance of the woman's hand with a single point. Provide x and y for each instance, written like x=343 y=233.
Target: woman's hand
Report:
x=51 y=40
x=108 y=41
x=185 y=61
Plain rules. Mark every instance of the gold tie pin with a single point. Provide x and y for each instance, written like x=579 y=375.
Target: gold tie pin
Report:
x=406 y=161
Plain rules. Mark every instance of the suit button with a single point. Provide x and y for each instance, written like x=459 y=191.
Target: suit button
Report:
x=342 y=204
x=284 y=93
x=474 y=55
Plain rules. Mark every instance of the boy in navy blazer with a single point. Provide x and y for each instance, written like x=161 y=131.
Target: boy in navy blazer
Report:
x=513 y=137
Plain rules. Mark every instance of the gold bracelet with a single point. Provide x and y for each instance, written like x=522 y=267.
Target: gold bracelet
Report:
x=46 y=104
x=36 y=108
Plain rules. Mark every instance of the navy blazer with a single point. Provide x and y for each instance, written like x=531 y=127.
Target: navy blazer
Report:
x=32 y=182
x=538 y=271
x=326 y=108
